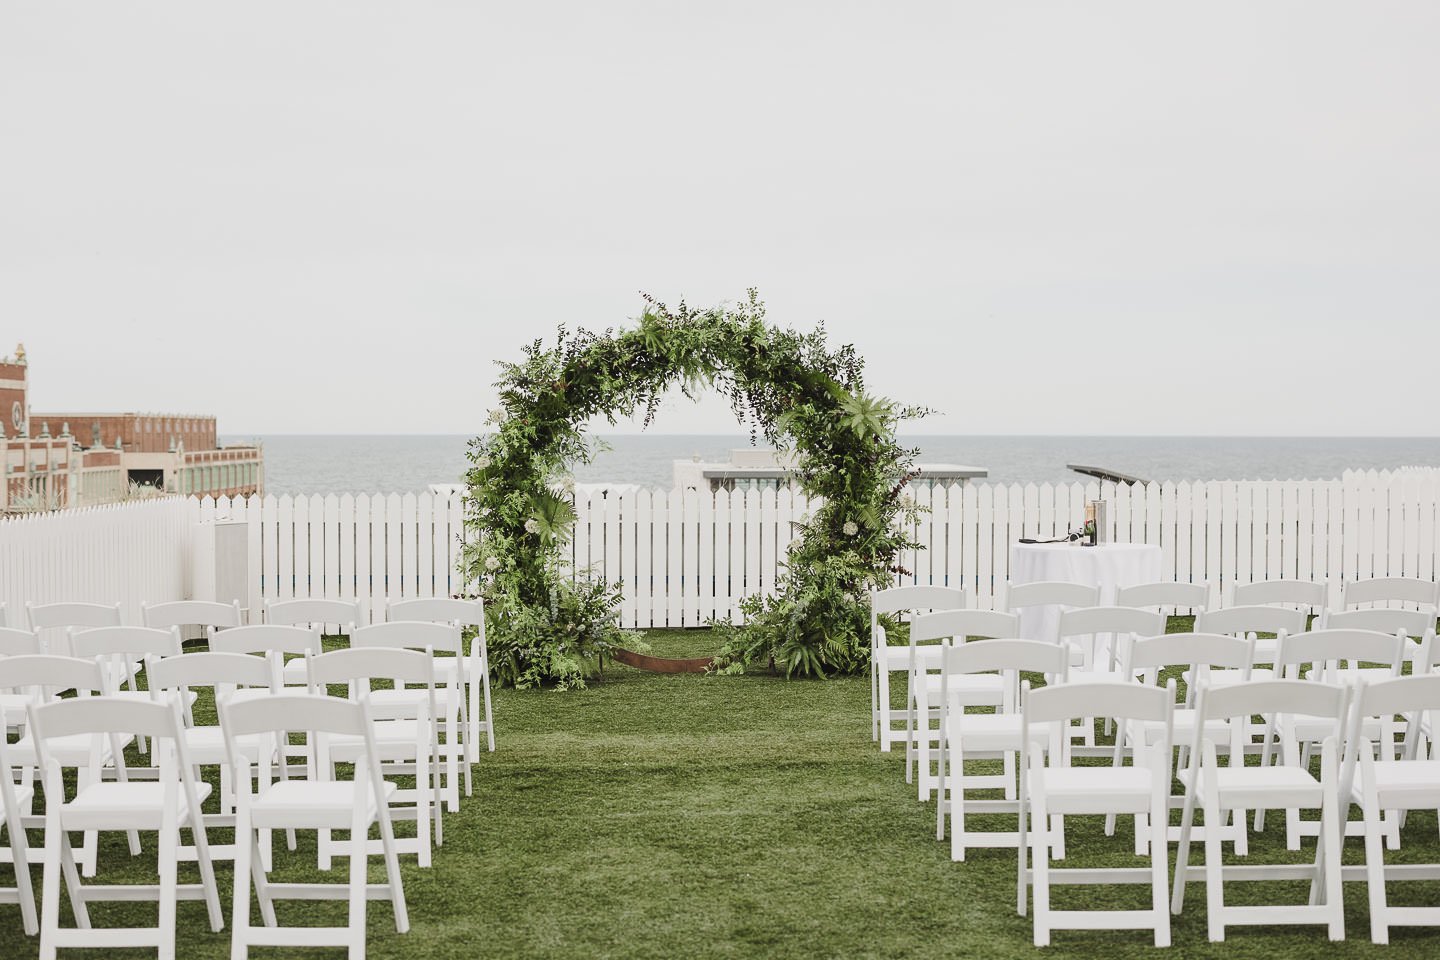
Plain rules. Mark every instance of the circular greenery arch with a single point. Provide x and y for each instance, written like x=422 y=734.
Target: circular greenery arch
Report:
x=545 y=626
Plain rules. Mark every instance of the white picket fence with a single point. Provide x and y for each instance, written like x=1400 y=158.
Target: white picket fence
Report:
x=683 y=558
x=126 y=552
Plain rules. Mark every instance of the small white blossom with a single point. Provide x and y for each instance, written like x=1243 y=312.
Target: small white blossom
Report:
x=496 y=417
x=483 y=462
x=532 y=525
x=492 y=563
x=850 y=528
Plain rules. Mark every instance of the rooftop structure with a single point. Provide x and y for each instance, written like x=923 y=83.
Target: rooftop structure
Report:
x=56 y=460
x=762 y=468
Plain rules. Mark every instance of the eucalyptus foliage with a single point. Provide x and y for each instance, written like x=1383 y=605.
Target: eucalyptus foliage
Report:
x=546 y=626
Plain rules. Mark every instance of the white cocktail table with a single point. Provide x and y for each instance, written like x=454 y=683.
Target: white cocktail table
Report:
x=1107 y=566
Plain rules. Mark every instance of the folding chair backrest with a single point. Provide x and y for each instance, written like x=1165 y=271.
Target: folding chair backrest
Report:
x=1413 y=623
x=45 y=616
x=51 y=620
x=1004 y=655
x=1193 y=596
x=1118 y=620
x=1120 y=701
x=1191 y=650
x=1423 y=593
x=409 y=635
x=371 y=663
x=267 y=638
x=209 y=670
x=1251 y=619
x=125 y=641
x=295 y=713
x=190 y=613
x=1046 y=592
x=1385 y=698
x=52 y=674
x=1295 y=593
x=917 y=597
x=1304 y=697
x=105 y=715
x=19 y=643
x=961 y=624
x=1331 y=647
x=304 y=612
x=467 y=613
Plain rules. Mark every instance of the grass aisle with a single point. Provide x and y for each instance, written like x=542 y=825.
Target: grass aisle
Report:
x=688 y=816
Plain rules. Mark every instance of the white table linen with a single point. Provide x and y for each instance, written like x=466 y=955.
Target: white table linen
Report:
x=1108 y=566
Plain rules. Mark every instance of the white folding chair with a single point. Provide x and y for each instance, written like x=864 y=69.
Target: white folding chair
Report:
x=1391 y=785
x=51 y=620
x=1251 y=621
x=475 y=669
x=207 y=615
x=923 y=685
x=41 y=679
x=1333 y=657
x=342 y=615
x=1306 y=596
x=167 y=807
x=453 y=716
x=1051 y=786
x=986 y=736
x=315 y=803
x=1217 y=789
x=178 y=679
x=121 y=650
x=1096 y=638
x=406 y=734
x=15 y=803
x=1166 y=596
x=1022 y=597
x=886 y=658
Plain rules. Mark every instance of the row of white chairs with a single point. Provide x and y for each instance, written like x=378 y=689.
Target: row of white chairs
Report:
x=379 y=733
x=1341 y=705
x=51 y=621
x=1266 y=607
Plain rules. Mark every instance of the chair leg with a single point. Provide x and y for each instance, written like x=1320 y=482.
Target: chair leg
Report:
x=392 y=873
x=1332 y=830
x=1375 y=869
x=489 y=721
x=24 y=891
x=358 y=877
x=1182 y=853
x=169 y=840
x=1160 y=862
x=1042 y=875
x=50 y=890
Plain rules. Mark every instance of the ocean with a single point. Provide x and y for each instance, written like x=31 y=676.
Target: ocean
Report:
x=341 y=463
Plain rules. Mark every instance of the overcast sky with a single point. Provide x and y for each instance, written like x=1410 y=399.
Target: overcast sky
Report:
x=1128 y=218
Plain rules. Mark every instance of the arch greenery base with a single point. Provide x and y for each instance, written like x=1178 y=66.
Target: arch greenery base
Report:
x=545 y=627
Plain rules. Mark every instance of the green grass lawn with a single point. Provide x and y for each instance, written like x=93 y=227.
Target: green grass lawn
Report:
x=679 y=816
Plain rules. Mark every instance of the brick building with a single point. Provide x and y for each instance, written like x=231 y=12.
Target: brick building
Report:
x=57 y=460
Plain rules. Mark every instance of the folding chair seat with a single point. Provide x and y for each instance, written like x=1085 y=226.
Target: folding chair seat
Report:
x=1251 y=621
x=475 y=667
x=206 y=615
x=1051 y=786
x=1194 y=655
x=15 y=804
x=986 y=736
x=1024 y=599
x=315 y=803
x=176 y=679
x=923 y=683
x=40 y=679
x=887 y=658
x=1166 y=595
x=52 y=620
x=1334 y=657
x=1217 y=789
x=405 y=730
x=1392 y=786
x=454 y=712
x=166 y=806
